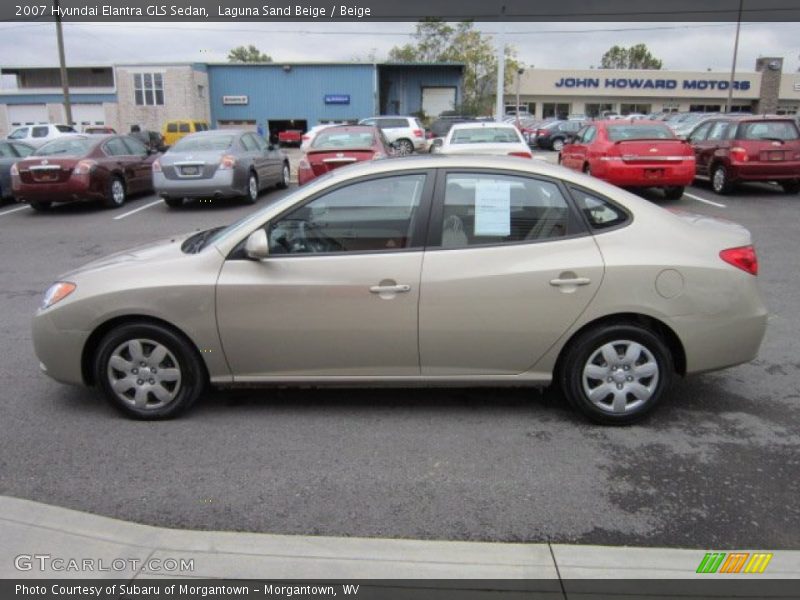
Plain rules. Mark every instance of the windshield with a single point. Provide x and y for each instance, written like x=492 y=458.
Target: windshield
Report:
x=66 y=147
x=485 y=135
x=768 y=130
x=203 y=142
x=342 y=140
x=620 y=133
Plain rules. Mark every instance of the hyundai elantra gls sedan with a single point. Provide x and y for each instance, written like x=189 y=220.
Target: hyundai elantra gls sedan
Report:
x=434 y=270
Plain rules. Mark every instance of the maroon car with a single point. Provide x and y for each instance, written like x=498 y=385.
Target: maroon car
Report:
x=731 y=149
x=83 y=167
x=342 y=145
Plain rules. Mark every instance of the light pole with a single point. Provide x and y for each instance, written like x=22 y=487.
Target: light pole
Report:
x=63 y=62
x=520 y=71
x=501 y=68
x=729 y=103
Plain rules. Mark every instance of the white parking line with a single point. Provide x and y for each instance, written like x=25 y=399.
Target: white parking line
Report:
x=699 y=199
x=135 y=210
x=13 y=210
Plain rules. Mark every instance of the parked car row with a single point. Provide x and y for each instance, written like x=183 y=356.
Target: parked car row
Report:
x=725 y=149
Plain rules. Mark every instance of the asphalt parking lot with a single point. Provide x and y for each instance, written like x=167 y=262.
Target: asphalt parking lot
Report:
x=715 y=467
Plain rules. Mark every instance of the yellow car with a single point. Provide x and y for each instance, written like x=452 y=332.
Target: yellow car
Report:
x=172 y=131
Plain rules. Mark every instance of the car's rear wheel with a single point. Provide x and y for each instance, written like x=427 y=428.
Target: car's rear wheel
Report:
x=558 y=144
x=791 y=187
x=115 y=194
x=587 y=168
x=674 y=192
x=616 y=374
x=720 y=180
x=173 y=202
x=41 y=206
x=148 y=371
x=285 y=175
x=404 y=147
x=251 y=194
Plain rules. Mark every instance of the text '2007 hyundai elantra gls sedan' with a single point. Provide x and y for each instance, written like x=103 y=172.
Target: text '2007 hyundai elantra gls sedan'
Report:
x=436 y=270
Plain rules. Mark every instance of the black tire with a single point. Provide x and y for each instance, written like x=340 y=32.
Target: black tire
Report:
x=587 y=169
x=115 y=193
x=42 y=206
x=674 y=192
x=404 y=147
x=188 y=388
x=585 y=348
x=557 y=144
x=283 y=183
x=251 y=192
x=720 y=180
x=791 y=187
x=173 y=202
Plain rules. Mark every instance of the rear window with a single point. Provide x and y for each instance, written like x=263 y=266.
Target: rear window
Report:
x=391 y=123
x=342 y=140
x=767 y=130
x=68 y=147
x=172 y=128
x=621 y=133
x=485 y=135
x=203 y=142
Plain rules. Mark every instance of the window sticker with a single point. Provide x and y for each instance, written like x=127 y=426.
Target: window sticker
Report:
x=493 y=208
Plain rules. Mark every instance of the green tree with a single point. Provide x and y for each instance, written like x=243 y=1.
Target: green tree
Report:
x=438 y=41
x=248 y=54
x=635 y=57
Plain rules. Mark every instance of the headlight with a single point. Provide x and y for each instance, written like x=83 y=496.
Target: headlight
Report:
x=57 y=292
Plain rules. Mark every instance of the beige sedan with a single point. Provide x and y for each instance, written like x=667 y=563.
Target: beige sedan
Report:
x=449 y=270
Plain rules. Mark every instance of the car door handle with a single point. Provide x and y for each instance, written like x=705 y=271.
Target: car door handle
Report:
x=571 y=281
x=389 y=289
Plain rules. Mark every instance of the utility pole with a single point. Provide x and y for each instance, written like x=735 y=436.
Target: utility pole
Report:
x=729 y=103
x=63 y=62
x=499 y=106
x=520 y=71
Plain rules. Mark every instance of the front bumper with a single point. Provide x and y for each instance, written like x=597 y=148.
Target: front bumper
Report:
x=58 y=350
x=221 y=185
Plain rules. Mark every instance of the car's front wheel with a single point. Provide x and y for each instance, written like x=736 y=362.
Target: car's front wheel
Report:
x=558 y=144
x=148 y=371
x=404 y=147
x=616 y=374
x=283 y=183
x=251 y=195
x=791 y=187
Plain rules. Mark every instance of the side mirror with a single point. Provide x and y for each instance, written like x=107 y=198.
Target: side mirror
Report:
x=257 y=247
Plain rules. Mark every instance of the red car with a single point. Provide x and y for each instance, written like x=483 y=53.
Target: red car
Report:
x=290 y=137
x=730 y=149
x=341 y=145
x=83 y=167
x=638 y=154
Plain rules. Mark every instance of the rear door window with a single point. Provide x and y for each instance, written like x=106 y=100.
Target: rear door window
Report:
x=135 y=146
x=699 y=134
x=248 y=143
x=184 y=127
x=599 y=212
x=718 y=131
x=40 y=132
x=116 y=147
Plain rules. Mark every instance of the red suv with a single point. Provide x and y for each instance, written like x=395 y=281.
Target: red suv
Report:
x=731 y=149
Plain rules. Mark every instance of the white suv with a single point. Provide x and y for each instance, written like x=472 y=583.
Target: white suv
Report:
x=37 y=135
x=406 y=134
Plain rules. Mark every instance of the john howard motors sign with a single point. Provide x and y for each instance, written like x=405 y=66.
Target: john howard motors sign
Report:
x=656 y=84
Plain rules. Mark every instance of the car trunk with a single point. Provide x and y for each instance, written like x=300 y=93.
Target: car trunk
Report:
x=191 y=165
x=770 y=151
x=322 y=161
x=653 y=152
x=47 y=170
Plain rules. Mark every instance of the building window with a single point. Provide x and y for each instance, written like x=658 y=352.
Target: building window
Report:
x=627 y=109
x=670 y=108
x=511 y=109
x=785 y=110
x=595 y=110
x=704 y=108
x=556 y=109
x=148 y=89
x=201 y=91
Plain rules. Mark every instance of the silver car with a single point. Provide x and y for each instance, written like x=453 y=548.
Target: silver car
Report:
x=435 y=270
x=219 y=164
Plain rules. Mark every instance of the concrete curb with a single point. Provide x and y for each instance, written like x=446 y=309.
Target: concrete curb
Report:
x=31 y=528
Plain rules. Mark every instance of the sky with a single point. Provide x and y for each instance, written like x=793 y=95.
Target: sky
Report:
x=681 y=46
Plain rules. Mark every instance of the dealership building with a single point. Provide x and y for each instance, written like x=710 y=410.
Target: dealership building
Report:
x=560 y=92
x=276 y=96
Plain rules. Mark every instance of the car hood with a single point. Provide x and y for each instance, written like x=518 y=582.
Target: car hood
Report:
x=164 y=248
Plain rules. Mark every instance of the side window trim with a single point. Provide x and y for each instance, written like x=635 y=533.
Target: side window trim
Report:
x=576 y=226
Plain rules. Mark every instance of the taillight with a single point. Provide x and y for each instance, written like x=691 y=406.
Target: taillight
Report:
x=227 y=162
x=156 y=166
x=84 y=167
x=743 y=257
x=521 y=154
x=739 y=154
x=542 y=132
x=418 y=133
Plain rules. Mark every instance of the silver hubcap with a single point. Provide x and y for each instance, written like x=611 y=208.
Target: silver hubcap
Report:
x=117 y=191
x=285 y=174
x=558 y=145
x=144 y=374
x=719 y=179
x=253 y=187
x=620 y=376
x=405 y=147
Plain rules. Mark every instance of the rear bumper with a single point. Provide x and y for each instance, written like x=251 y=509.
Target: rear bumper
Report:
x=69 y=191
x=221 y=185
x=765 y=171
x=650 y=175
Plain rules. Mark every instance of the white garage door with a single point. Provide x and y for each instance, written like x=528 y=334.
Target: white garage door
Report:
x=84 y=115
x=436 y=100
x=247 y=124
x=26 y=114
